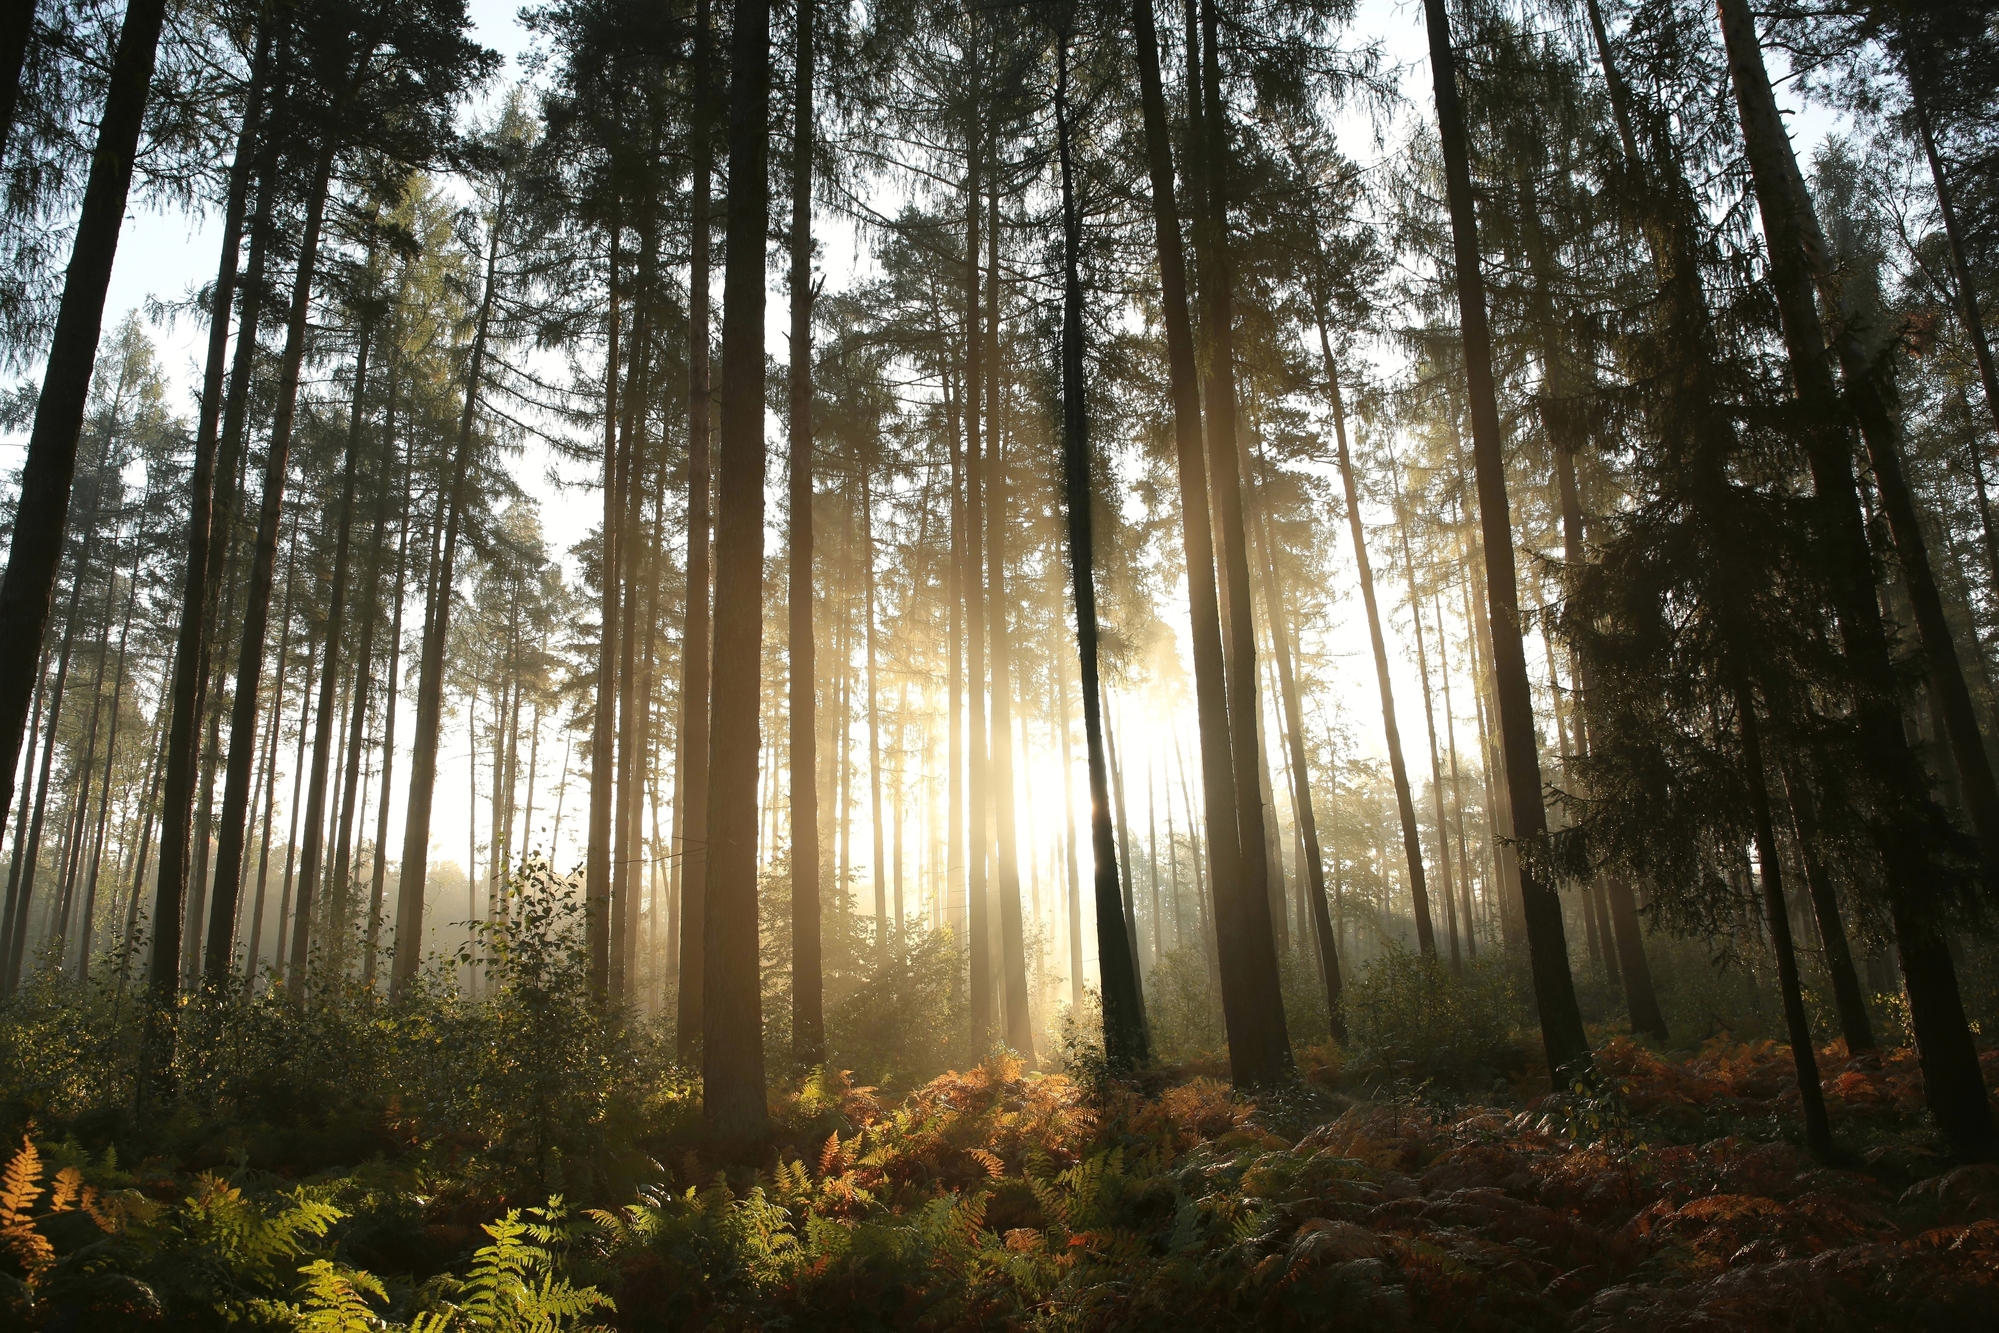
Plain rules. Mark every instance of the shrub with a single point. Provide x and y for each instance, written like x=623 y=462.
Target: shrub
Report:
x=1415 y=1019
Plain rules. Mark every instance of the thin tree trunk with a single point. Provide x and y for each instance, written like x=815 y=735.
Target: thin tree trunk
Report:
x=1069 y=841
x=1126 y=1041
x=1013 y=946
x=270 y=777
x=378 y=880
x=191 y=650
x=1430 y=729
x=329 y=679
x=631 y=549
x=1562 y=1035
x=692 y=779
x=1123 y=833
x=256 y=612
x=1405 y=804
x=732 y=1058
x=1308 y=822
x=878 y=872
x=808 y=1018
x=414 y=869
x=1457 y=786
x=77 y=836
x=603 y=734
x=18 y=935
x=1848 y=999
x=364 y=666
x=26 y=784
x=978 y=852
x=1777 y=919
x=110 y=760
x=278 y=953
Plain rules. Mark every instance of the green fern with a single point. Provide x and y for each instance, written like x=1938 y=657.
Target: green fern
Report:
x=514 y=1286
x=336 y=1300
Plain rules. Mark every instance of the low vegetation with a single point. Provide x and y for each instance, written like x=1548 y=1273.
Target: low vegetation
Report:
x=428 y=1168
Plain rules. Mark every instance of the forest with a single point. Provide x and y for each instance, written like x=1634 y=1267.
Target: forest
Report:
x=1061 y=665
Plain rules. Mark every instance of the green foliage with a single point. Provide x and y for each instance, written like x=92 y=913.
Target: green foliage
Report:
x=898 y=1015
x=1412 y=1019
x=516 y=1284
x=333 y=1299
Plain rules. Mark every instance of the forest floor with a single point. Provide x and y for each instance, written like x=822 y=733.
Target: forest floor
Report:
x=1673 y=1197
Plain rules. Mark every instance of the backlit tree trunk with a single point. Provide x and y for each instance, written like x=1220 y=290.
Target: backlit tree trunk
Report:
x=808 y=1022
x=732 y=1058
x=1562 y=1034
x=1126 y=1045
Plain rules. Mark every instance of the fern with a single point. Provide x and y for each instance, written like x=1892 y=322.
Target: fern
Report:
x=335 y=1300
x=514 y=1287
x=20 y=1186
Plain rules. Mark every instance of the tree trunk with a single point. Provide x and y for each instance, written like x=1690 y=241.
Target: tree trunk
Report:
x=7 y=914
x=604 y=732
x=631 y=551
x=364 y=666
x=692 y=779
x=1562 y=1034
x=979 y=840
x=256 y=611
x=732 y=1059
x=1430 y=730
x=1457 y=785
x=878 y=871
x=378 y=880
x=1123 y=832
x=415 y=866
x=192 y=649
x=278 y=953
x=1074 y=878
x=1013 y=946
x=1253 y=1047
x=110 y=760
x=808 y=1017
x=1125 y=1037
x=1953 y=1083
x=1799 y=263
x=1777 y=919
x=1269 y=1060
x=1405 y=804
x=1848 y=999
x=41 y=516
x=17 y=30
x=329 y=680
x=270 y=777
x=18 y=925
x=1308 y=822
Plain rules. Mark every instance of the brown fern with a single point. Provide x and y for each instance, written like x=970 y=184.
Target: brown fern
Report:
x=20 y=1186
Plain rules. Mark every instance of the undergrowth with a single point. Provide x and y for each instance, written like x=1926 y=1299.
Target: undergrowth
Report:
x=522 y=1160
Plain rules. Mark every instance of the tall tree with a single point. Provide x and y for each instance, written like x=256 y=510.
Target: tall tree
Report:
x=1126 y=1044
x=732 y=1057
x=808 y=1022
x=27 y=590
x=692 y=779
x=1562 y=1035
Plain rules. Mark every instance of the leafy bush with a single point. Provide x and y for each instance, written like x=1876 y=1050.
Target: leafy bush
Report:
x=1412 y=1019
